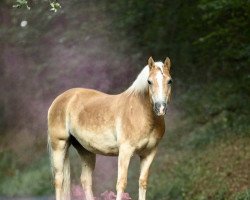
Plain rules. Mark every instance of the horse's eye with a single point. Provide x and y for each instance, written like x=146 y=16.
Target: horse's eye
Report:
x=149 y=82
x=170 y=82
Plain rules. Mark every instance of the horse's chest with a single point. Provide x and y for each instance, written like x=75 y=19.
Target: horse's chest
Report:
x=147 y=143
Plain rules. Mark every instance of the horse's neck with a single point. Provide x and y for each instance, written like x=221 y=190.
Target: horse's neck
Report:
x=140 y=99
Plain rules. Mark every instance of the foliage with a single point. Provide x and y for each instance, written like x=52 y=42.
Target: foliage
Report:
x=245 y=195
x=203 y=38
x=21 y=3
x=205 y=153
x=54 y=6
x=16 y=181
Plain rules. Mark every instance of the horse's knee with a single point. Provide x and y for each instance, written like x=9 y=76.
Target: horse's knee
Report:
x=143 y=183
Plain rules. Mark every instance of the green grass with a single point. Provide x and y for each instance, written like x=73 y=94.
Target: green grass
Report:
x=245 y=195
x=34 y=179
x=205 y=154
x=218 y=172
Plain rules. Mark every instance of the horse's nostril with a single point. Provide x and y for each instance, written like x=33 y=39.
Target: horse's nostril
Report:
x=160 y=108
x=157 y=105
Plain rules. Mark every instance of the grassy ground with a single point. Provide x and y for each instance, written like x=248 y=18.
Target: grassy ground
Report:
x=24 y=167
x=218 y=171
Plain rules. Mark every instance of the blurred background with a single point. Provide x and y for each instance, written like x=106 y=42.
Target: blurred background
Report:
x=205 y=153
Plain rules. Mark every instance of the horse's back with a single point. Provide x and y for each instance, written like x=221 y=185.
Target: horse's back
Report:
x=57 y=112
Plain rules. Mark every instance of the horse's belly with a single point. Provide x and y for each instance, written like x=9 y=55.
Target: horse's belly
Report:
x=103 y=142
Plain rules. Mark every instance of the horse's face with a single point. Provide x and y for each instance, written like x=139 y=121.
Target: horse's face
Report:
x=159 y=83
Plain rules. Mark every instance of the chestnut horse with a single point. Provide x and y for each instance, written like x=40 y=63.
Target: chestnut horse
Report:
x=115 y=125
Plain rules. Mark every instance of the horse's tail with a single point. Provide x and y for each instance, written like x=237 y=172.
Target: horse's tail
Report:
x=50 y=155
x=66 y=178
x=65 y=192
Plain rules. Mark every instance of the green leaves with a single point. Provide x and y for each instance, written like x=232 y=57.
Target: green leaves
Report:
x=55 y=6
x=223 y=33
x=21 y=4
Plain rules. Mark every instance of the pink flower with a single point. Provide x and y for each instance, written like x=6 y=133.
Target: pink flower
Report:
x=108 y=195
x=111 y=196
x=78 y=194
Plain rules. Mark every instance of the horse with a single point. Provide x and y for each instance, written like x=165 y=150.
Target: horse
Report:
x=122 y=125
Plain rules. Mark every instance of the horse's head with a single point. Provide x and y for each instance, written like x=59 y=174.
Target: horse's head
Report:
x=159 y=83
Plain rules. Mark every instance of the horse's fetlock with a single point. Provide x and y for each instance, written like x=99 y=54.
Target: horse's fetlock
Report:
x=58 y=183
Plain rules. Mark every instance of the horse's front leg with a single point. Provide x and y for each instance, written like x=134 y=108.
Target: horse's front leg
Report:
x=145 y=164
x=125 y=154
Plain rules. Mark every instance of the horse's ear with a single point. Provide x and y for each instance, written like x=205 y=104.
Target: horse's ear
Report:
x=151 y=63
x=167 y=63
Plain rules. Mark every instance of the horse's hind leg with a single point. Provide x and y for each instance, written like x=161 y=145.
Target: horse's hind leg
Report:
x=88 y=165
x=61 y=168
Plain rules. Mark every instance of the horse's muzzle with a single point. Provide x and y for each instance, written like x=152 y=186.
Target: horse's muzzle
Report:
x=160 y=108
